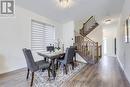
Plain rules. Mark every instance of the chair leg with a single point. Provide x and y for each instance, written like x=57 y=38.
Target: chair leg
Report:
x=75 y=58
x=27 y=74
x=57 y=64
x=49 y=72
x=32 y=79
x=72 y=65
x=65 y=68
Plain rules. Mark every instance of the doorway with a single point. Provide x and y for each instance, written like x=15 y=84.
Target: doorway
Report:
x=115 y=42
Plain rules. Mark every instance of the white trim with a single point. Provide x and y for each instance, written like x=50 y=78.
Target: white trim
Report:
x=126 y=75
x=120 y=64
x=79 y=58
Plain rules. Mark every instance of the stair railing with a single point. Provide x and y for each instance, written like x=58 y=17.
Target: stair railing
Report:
x=88 y=26
x=87 y=48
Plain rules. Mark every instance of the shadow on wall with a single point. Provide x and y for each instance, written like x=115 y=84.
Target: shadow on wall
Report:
x=3 y=66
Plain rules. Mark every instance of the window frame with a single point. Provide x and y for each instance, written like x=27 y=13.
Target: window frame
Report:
x=44 y=25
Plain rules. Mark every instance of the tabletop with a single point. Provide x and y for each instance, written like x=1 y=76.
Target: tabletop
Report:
x=51 y=55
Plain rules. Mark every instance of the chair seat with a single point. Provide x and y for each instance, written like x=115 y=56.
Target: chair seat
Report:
x=42 y=64
x=34 y=66
x=62 y=61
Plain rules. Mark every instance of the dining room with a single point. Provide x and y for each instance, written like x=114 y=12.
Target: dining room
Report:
x=59 y=43
x=55 y=68
x=56 y=63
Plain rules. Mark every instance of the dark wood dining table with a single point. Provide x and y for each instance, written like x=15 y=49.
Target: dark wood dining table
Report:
x=52 y=56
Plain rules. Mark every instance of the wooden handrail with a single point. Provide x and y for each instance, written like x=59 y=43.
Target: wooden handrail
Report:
x=88 y=38
x=88 y=20
x=88 y=48
x=88 y=26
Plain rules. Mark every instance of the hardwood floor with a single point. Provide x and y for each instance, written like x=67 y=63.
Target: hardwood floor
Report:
x=107 y=73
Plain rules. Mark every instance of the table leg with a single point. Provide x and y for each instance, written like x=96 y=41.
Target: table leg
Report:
x=44 y=58
x=53 y=69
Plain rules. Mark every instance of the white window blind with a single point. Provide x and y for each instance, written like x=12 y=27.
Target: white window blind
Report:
x=42 y=35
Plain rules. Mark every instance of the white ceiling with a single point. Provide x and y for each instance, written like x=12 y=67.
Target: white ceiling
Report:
x=79 y=8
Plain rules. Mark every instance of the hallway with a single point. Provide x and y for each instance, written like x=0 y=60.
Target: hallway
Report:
x=107 y=73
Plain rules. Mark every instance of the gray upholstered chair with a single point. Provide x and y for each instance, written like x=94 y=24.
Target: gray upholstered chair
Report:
x=68 y=59
x=34 y=66
x=74 y=47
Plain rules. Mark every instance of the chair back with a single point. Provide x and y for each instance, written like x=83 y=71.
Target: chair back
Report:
x=69 y=55
x=29 y=59
x=50 y=48
x=74 y=48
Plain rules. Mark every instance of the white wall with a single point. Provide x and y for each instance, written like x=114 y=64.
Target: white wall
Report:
x=68 y=34
x=123 y=49
x=97 y=35
x=15 y=34
x=109 y=34
x=78 y=26
x=109 y=47
x=79 y=58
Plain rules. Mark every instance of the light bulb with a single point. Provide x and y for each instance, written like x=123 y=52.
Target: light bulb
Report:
x=64 y=3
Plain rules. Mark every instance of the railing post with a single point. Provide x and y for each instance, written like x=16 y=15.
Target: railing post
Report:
x=100 y=51
x=88 y=48
x=97 y=53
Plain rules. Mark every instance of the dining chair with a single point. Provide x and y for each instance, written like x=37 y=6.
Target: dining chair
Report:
x=68 y=59
x=34 y=66
x=74 y=47
x=50 y=48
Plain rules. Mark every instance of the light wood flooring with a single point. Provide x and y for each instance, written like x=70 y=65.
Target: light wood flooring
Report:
x=106 y=73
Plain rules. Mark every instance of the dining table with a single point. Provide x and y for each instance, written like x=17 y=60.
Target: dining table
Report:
x=52 y=56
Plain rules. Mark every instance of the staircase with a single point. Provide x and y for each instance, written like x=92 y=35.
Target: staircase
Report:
x=88 y=26
x=88 y=49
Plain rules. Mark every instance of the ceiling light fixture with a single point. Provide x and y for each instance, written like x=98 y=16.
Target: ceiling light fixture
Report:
x=64 y=3
x=108 y=21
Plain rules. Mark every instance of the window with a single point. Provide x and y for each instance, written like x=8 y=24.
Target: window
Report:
x=42 y=35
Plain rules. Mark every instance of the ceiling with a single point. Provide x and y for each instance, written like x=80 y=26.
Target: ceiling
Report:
x=79 y=9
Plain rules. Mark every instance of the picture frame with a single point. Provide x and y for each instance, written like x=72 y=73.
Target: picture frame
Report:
x=127 y=30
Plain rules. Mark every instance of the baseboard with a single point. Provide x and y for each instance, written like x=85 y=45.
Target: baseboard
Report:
x=12 y=71
x=127 y=76
x=123 y=69
x=79 y=58
x=120 y=64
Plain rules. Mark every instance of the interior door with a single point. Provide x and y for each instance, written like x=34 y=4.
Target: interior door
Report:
x=115 y=45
